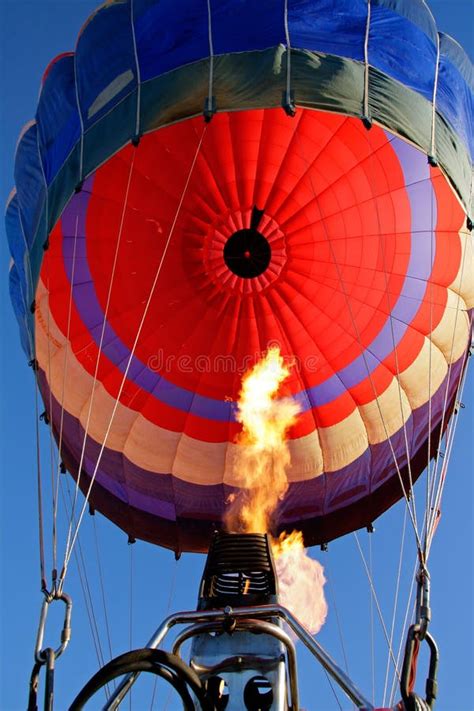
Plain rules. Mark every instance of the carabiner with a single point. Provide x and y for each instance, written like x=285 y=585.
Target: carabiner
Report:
x=423 y=610
x=407 y=680
x=40 y=654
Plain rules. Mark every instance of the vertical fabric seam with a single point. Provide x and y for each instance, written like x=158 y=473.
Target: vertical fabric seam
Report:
x=366 y=63
x=137 y=67
x=435 y=92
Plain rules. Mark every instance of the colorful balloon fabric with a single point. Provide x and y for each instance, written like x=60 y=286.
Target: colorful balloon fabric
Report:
x=157 y=253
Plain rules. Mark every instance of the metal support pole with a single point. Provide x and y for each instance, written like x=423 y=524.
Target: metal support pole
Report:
x=253 y=625
x=257 y=612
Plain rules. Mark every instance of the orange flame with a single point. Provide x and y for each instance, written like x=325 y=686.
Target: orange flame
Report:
x=300 y=581
x=260 y=470
x=263 y=455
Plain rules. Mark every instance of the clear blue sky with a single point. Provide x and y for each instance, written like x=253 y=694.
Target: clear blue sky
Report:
x=31 y=33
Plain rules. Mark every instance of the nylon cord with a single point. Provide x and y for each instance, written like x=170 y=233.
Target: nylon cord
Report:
x=96 y=368
x=366 y=62
x=362 y=350
x=395 y=603
x=102 y=586
x=39 y=491
x=34 y=364
x=168 y=608
x=65 y=364
x=444 y=470
x=338 y=621
x=428 y=469
x=396 y=674
x=375 y=598
x=372 y=637
x=288 y=53
x=86 y=590
x=432 y=513
x=54 y=484
x=211 y=54
x=124 y=379
x=395 y=348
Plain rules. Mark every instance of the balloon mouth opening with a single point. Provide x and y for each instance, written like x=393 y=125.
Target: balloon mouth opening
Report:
x=247 y=253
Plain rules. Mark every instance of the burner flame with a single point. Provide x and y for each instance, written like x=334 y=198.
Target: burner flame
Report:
x=262 y=460
x=263 y=455
x=300 y=581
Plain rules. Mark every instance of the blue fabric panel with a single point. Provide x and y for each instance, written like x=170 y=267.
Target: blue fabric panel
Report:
x=105 y=61
x=247 y=25
x=401 y=48
x=330 y=26
x=166 y=38
x=29 y=180
x=57 y=116
x=454 y=99
x=416 y=11
x=16 y=241
x=20 y=308
x=20 y=292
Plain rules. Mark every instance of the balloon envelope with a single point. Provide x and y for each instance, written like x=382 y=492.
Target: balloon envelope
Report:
x=162 y=268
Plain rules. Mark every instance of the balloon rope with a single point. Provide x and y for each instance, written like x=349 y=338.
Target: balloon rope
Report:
x=394 y=343
x=428 y=451
x=333 y=689
x=81 y=120
x=433 y=507
x=435 y=93
x=137 y=68
x=99 y=353
x=339 y=628
x=366 y=62
x=39 y=488
x=364 y=358
x=372 y=639
x=288 y=53
x=451 y=431
x=130 y=609
x=34 y=365
x=376 y=600
x=336 y=612
x=132 y=352
x=211 y=56
x=395 y=603
x=85 y=586
x=102 y=585
x=54 y=479
x=167 y=612
x=63 y=389
x=409 y=606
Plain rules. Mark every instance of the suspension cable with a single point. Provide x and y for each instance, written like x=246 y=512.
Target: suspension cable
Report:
x=102 y=585
x=54 y=491
x=449 y=448
x=129 y=362
x=65 y=367
x=85 y=586
x=395 y=602
x=364 y=358
x=99 y=353
x=375 y=598
x=432 y=510
x=39 y=487
x=168 y=608
x=409 y=606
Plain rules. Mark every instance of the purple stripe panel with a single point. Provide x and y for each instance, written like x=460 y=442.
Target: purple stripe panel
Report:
x=168 y=497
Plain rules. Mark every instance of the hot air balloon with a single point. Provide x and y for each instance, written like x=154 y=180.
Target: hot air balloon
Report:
x=202 y=183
